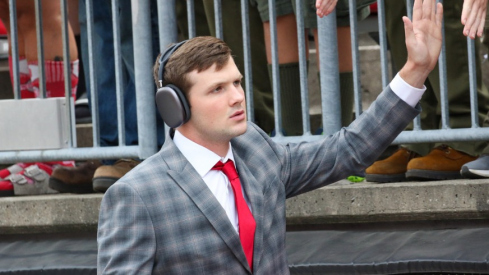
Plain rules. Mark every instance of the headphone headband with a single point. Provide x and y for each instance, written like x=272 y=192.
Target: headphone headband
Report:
x=164 y=59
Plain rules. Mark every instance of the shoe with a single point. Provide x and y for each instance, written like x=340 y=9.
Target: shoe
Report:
x=107 y=175
x=6 y=187
x=442 y=163
x=82 y=110
x=391 y=169
x=477 y=169
x=33 y=180
x=76 y=180
x=13 y=169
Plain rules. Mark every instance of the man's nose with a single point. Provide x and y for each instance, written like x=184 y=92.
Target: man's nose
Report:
x=237 y=94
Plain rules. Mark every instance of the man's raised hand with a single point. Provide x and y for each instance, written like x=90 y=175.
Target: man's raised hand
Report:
x=423 y=41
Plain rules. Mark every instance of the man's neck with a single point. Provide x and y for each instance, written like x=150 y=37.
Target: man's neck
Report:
x=219 y=147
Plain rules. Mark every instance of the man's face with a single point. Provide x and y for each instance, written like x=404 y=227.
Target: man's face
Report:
x=218 y=108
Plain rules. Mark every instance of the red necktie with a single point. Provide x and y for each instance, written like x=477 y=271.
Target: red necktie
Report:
x=246 y=221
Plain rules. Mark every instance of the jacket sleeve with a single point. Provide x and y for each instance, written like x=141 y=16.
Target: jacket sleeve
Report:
x=126 y=239
x=349 y=151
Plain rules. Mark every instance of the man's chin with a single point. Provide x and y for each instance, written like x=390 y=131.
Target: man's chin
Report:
x=241 y=129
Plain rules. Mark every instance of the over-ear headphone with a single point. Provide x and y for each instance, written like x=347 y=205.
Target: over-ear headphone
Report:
x=170 y=100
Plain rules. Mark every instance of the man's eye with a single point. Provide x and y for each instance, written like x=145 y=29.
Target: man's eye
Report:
x=218 y=89
x=237 y=82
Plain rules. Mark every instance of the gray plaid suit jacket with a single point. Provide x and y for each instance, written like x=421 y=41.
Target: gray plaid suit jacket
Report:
x=162 y=219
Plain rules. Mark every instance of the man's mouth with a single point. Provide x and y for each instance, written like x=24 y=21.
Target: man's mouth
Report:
x=237 y=114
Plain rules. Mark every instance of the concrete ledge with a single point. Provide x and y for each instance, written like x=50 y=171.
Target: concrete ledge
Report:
x=49 y=213
x=410 y=201
x=338 y=203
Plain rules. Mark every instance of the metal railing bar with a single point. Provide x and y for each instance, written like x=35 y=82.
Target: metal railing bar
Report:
x=167 y=17
x=145 y=87
x=301 y=36
x=275 y=68
x=329 y=74
x=14 y=43
x=218 y=19
x=355 y=53
x=248 y=74
x=383 y=43
x=93 y=80
x=69 y=154
x=474 y=109
x=40 y=49
x=66 y=71
x=191 y=18
x=442 y=67
x=118 y=73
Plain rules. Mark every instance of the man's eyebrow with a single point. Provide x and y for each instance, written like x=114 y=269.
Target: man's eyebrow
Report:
x=219 y=82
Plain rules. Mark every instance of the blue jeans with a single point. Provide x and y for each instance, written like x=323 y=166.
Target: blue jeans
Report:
x=104 y=66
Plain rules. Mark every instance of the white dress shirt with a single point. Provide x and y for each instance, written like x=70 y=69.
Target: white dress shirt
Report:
x=411 y=95
x=203 y=159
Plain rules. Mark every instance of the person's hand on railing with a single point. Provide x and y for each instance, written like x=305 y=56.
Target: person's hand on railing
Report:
x=474 y=17
x=423 y=41
x=325 y=7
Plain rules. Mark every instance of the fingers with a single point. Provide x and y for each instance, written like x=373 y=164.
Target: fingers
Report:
x=439 y=14
x=475 y=25
x=409 y=32
x=428 y=6
x=325 y=7
x=417 y=10
x=467 y=7
x=428 y=9
x=482 y=22
x=472 y=17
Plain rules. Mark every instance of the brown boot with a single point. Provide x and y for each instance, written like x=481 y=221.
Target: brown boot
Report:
x=442 y=163
x=391 y=169
x=107 y=175
x=74 y=179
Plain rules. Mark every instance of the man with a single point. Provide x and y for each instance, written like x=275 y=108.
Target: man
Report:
x=186 y=211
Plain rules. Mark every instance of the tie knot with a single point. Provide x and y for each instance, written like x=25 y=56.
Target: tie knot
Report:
x=227 y=168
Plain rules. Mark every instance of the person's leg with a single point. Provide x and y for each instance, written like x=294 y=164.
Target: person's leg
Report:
x=53 y=45
x=26 y=89
x=103 y=58
x=345 y=65
x=288 y=58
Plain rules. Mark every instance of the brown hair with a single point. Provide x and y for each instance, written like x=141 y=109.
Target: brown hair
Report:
x=199 y=53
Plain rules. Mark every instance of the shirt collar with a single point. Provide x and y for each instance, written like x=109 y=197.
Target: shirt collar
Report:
x=201 y=158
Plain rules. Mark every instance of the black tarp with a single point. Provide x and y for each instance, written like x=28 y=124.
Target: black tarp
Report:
x=52 y=254
x=448 y=251
x=389 y=252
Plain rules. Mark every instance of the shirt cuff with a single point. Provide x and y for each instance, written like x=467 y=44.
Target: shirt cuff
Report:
x=409 y=94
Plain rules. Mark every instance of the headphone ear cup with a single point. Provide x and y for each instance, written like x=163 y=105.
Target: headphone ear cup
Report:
x=172 y=106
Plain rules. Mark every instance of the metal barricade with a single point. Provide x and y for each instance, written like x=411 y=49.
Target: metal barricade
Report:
x=143 y=61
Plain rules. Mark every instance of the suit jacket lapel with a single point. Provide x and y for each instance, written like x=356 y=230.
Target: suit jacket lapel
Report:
x=191 y=183
x=255 y=196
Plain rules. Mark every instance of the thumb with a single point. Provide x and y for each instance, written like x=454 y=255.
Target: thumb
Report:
x=408 y=30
